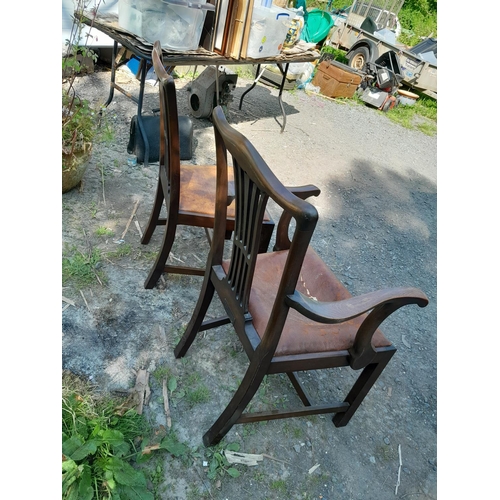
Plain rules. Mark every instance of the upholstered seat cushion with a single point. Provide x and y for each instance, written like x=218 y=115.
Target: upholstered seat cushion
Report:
x=197 y=194
x=300 y=334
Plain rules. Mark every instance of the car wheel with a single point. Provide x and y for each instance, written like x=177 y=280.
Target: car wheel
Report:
x=358 y=58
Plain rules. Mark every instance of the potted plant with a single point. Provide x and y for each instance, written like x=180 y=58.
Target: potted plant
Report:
x=78 y=118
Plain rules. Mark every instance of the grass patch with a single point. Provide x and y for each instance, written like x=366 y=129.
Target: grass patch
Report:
x=198 y=395
x=122 y=251
x=103 y=231
x=82 y=269
x=279 y=486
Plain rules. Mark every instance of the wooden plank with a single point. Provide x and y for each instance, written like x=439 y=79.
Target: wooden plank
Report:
x=239 y=23
x=221 y=25
x=246 y=31
x=300 y=412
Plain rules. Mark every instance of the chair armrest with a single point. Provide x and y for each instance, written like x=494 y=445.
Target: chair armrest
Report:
x=304 y=192
x=344 y=310
x=282 y=239
x=381 y=305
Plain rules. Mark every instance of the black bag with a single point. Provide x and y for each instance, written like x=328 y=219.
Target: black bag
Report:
x=152 y=127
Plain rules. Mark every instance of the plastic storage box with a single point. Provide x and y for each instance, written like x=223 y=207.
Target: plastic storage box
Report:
x=177 y=24
x=336 y=79
x=268 y=31
x=130 y=16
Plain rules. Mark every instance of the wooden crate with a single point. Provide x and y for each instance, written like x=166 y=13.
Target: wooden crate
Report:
x=336 y=79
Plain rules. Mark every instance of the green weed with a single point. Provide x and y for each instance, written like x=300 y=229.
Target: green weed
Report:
x=198 y=395
x=106 y=132
x=427 y=128
x=122 y=251
x=161 y=372
x=218 y=464
x=157 y=478
x=335 y=54
x=93 y=210
x=103 y=231
x=82 y=270
x=279 y=486
x=97 y=445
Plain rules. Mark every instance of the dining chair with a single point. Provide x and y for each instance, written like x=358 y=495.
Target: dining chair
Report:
x=288 y=309
x=187 y=190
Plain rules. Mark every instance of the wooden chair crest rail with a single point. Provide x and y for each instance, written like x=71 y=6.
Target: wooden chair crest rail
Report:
x=287 y=307
x=187 y=190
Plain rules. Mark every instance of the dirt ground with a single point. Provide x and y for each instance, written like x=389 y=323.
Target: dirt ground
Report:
x=377 y=229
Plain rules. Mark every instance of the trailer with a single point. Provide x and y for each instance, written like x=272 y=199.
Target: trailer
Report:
x=368 y=29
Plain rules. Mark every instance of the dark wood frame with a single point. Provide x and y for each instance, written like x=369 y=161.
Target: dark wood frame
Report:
x=255 y=183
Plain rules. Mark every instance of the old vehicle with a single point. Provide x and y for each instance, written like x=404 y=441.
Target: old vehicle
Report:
x=360 y=35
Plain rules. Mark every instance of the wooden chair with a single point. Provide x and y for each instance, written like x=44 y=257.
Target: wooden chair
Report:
x=289 y=310
x=188 y=190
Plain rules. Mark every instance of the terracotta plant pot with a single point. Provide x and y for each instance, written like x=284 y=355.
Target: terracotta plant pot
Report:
x=74 y=167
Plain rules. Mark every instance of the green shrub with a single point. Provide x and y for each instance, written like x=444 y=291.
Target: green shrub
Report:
x=97 y=445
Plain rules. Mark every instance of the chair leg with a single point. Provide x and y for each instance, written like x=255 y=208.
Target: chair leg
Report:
x=360 y=389
x=242 y=397
x=158 y=267
x=155 y=214
x=206 y=295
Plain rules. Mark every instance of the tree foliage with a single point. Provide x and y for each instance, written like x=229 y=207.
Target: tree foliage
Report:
x=418 y=20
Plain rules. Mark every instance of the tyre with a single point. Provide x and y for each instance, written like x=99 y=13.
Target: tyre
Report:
x=358 y=58
x=389 y=104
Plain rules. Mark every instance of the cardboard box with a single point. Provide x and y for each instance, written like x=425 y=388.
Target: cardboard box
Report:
x=336 y=79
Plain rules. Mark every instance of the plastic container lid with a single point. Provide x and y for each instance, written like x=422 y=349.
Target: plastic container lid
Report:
x=191 y=5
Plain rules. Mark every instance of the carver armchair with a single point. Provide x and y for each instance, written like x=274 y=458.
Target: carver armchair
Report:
x=188 y=190
x=287 y=307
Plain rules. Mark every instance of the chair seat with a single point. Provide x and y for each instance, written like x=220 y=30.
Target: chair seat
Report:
x=197 y=195
x=300 y=334
x=197 y=191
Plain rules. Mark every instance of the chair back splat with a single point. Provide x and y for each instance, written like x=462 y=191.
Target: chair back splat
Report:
x=188 y=190
x=289 y=310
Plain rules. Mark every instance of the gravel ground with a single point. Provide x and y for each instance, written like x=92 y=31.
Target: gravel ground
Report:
x=377 y=229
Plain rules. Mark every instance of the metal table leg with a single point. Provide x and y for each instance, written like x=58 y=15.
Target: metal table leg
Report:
x=143 y=72
x=258 y=76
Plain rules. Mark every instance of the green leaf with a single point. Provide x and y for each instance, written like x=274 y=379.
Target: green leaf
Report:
x=85 y=490
x=172 y=384
x=69 y=465
x=233 y=447
x=135 y=493
x=111 y=435
x=125 y=474
x=214 y=464
x=88 y=448
x=71 y=445
x=121 y=449
x=233 y=472
x=173 y=446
